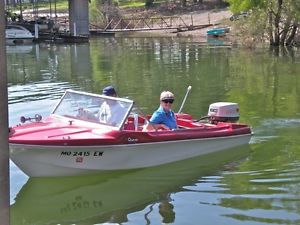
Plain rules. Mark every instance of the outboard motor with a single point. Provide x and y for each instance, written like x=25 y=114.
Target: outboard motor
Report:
x=223 y=112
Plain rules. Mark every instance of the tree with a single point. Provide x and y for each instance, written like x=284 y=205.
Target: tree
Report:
x=149 y=3
x=281 y=17
x=104 y=13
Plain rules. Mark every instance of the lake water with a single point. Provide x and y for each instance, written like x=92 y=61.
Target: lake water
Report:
x=254 y=184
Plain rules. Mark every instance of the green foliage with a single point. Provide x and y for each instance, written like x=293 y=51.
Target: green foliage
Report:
x=149 y=3
x=292 y=7
x=131 y=4
x=250 y=31
x=103 y=11
x=280 y=17
x=60 y=5
x=96 y=15
x=245 y=5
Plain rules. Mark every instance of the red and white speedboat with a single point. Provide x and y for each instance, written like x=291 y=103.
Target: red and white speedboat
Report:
x=73 y=141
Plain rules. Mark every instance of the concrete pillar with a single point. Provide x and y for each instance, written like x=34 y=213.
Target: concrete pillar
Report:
x=4 y=153
x=79 y=17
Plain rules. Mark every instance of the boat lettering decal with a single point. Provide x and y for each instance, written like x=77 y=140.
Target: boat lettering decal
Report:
x=81 y=154
x=132 y=139
x=97 y=153
x=79 y=159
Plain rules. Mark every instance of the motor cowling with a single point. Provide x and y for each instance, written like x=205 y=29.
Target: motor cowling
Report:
x=223 y=112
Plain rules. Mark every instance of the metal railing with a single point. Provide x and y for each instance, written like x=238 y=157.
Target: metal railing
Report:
x=143 y=24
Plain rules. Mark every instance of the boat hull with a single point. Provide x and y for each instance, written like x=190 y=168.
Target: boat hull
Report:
x=16 y=34
x=13 y=41
x=96 y=199
x=41 y=160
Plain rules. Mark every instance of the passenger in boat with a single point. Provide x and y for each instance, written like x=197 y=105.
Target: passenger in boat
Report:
x=111 y=111
x=109 y=91
x=164 y=117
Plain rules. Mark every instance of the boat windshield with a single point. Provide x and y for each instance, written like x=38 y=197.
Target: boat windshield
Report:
x=94 y=108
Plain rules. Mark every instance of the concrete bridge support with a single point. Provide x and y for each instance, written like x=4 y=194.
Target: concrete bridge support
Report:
x=79 y=17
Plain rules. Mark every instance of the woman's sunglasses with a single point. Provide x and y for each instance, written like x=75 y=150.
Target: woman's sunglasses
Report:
x=168 y=101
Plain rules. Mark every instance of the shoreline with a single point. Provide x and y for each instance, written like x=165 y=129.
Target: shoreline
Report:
x=191 y=17
x=195 y=18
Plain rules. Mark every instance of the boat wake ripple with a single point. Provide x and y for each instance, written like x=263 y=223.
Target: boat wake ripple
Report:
x=269 y=128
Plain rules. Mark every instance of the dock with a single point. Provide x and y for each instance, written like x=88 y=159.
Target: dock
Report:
x=175 y=23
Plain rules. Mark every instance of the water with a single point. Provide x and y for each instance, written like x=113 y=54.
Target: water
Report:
x=253 y=184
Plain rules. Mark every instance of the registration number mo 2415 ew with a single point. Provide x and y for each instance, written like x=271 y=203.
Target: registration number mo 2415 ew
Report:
x=83 y=153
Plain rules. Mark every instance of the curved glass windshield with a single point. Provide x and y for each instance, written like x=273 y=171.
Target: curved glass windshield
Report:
x=94 y=108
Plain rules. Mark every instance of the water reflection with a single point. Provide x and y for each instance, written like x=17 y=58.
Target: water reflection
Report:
x=19 y=49
x=49 y=63
x=111 y=197
x=266 y=187
x=262 y=85
x=262 y=189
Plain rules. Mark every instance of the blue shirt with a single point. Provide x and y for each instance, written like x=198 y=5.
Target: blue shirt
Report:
x=162 y=117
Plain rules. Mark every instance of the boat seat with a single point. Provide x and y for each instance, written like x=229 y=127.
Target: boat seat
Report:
x=129 y=125
x=149 y=127
x=185 y=123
